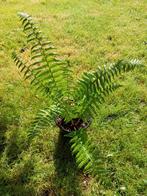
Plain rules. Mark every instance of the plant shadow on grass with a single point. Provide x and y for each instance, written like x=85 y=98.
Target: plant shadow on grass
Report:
x=18 y=185
x=3 y=129
x=66 y=180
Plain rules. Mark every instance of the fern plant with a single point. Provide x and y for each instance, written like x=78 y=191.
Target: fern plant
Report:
x=71 y=107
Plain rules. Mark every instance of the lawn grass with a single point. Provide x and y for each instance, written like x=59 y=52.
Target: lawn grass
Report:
x=88 y=33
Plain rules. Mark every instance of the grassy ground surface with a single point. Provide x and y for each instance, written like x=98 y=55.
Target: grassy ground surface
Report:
x=88 y=33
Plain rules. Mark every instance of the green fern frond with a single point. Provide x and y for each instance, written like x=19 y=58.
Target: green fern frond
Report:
x=94 y=87
x=44 y=64
x=84 y=153
x=44 y=119
x=23 y=67
x=69 y=81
